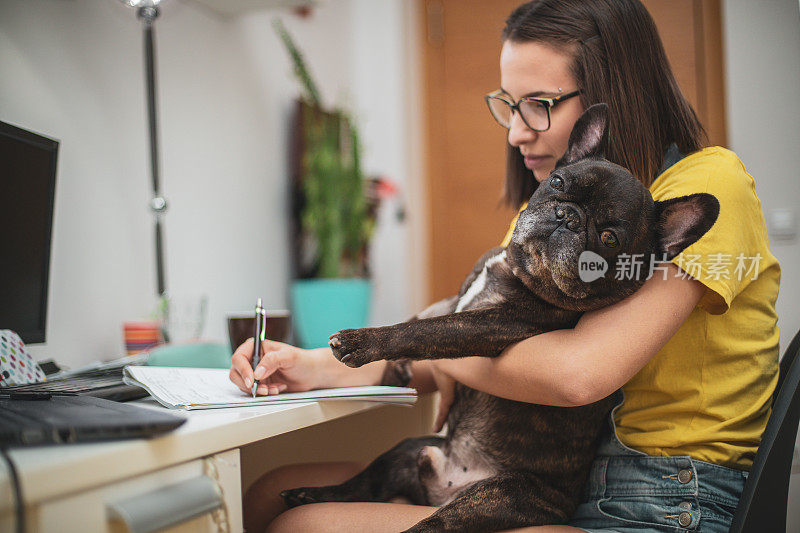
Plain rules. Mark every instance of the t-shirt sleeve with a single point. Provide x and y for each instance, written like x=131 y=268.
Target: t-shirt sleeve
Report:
x=726 y=259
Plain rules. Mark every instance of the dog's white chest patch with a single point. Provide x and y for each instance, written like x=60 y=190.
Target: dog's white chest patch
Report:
x=479 y=284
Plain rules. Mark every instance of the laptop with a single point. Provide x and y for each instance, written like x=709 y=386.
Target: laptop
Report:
x=100 y=380
x=79 y=406
x=28 y=419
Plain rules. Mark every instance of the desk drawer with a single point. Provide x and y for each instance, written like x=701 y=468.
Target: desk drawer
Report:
x=174 y=494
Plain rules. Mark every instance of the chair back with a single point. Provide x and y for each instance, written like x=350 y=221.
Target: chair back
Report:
x=762 y=506
x=788 y=358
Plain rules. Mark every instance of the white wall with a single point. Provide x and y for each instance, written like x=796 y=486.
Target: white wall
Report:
x=762 y=49
x=73 y=70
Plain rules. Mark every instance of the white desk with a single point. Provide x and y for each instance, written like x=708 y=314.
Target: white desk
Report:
x=69 y=487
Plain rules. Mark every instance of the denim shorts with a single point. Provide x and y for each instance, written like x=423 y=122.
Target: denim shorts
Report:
x=631 y=492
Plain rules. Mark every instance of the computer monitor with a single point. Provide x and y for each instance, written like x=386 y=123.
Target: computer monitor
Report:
x=27 y=190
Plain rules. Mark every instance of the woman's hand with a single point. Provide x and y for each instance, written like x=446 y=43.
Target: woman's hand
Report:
x=282 y=367
x=447 y=387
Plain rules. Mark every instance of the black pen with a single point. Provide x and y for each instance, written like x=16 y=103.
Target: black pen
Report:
x=258 y=336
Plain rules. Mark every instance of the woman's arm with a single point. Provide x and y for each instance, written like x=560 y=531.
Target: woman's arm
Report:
x=578 y=366
x=335 y=374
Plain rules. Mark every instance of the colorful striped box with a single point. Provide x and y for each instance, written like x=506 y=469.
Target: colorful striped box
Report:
x=141 y=336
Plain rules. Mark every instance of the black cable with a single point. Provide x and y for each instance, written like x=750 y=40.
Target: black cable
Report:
x=19 y=507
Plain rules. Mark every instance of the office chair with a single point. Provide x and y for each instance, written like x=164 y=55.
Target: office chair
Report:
x=762 y=506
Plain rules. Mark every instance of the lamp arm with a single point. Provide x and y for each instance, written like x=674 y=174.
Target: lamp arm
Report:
x=158 y=205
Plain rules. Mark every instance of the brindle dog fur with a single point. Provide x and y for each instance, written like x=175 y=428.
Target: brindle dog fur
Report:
x=503 y=463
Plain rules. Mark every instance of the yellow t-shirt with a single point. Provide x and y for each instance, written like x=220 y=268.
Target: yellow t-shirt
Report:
x=707 y=392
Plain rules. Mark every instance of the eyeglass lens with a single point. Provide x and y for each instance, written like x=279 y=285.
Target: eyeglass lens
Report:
x=533 y=113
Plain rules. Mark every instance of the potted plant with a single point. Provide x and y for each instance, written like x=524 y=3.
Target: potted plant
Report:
x=334 y=213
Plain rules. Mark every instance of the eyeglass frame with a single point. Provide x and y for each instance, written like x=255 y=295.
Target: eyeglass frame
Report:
x=548 y=104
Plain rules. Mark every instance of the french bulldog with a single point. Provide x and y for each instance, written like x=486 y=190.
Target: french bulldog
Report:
x=504 y=463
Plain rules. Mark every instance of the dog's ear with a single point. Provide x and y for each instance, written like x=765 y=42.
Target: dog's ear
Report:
x=680 y=222
x=588 y=136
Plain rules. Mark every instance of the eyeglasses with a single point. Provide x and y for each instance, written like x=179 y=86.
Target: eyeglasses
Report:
x=535 y=112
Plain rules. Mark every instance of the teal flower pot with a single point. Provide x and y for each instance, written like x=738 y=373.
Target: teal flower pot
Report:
x=321 y=307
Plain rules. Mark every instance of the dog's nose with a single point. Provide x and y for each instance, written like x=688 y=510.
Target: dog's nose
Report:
x=572 y=215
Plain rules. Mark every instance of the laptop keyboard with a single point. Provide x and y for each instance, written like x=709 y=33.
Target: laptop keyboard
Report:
x=74 y=384
x=105 y=383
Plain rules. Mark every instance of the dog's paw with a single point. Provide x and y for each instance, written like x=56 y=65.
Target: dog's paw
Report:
x=297 y=497
x=355 y=347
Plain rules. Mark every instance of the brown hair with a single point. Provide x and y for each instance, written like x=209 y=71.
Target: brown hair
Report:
x=618 y=59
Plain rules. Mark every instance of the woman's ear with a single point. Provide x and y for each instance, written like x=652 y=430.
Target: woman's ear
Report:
x=680 y=222
x=588 y=136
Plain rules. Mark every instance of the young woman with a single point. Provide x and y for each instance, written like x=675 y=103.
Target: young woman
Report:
x=694 y=351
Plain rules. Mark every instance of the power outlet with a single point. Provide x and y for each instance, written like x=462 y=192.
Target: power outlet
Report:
x=783 y=224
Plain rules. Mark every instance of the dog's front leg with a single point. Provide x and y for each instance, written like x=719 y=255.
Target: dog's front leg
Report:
x=484 y=332
x=394 y=473
x=504 y=501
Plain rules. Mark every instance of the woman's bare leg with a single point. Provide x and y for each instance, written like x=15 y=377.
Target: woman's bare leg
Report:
x=262 y=504
x=346 y=517
x=262 y=501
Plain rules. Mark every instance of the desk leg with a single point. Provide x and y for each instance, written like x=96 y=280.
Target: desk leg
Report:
x=225 y=468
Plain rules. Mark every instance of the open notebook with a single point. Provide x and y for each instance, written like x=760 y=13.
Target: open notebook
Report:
x=210 y=388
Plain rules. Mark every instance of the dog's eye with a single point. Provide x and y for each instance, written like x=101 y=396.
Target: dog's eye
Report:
x=557 y=182
x=609 y=239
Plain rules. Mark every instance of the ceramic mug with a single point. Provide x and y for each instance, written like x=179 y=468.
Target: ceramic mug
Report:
x=240 y=327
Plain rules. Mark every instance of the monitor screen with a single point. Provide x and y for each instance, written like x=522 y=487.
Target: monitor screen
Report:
x=27 y=188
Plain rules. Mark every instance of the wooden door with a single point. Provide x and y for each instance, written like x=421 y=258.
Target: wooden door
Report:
x=691 y=31
x=466 y=147
x=465 y=160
